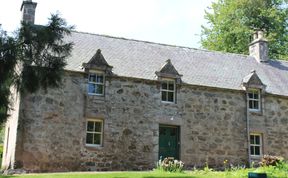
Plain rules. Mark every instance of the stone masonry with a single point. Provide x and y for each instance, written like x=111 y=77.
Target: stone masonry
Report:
x=212 y=123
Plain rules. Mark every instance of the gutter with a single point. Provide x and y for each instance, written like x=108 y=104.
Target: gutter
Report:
x=248 y=128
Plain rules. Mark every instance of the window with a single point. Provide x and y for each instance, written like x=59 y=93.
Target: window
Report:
x=255 y=145
x=94 y=132
x=168 y=91
x=96 y=84
x=254 y=100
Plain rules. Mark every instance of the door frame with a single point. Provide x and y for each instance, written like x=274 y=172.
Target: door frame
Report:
x=178 y=139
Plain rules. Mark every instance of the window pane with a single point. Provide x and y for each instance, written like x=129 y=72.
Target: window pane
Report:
x=99 y=89
x=252 y=150
x=250 y=95
x=90 y=126
x=97 y=139
x=257 y=140
x=251 y=104
x=256 y=96
x=164 y=85
x=256 y=104
x=251 y=139
x=171 y=86
x=92 y=78
x=257 y=150
x=89 y=138
x=98 y=126
x=164 y=95
x=99 y=78
x=171 y=96
x=91 y=88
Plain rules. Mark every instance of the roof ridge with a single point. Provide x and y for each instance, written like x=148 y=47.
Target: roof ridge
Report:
x=162 y=44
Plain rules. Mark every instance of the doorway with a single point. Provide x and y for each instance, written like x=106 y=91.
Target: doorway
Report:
x=169 y=141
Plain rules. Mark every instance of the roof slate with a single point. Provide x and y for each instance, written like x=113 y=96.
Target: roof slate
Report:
x=140 y=59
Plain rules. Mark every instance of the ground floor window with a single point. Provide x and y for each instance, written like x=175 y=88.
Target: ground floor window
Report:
x=255 y=145
x=94 y=132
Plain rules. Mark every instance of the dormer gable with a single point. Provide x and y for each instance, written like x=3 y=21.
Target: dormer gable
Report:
x=98 y=62
x=168 y=71
x=252 y=80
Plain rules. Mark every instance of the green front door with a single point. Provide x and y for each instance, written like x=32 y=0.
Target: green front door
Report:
x=168 y=141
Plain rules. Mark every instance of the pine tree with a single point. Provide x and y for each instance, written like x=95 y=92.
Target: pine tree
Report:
x=33 y=59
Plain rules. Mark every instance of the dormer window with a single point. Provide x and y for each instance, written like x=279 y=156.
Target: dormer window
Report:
x=254 y=88
x=168 y=91
x=96 y=84
x=97 y=69
x=254 y=99
x=169 y=77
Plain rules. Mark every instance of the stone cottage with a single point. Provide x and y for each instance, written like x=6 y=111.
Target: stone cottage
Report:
x=125 y=103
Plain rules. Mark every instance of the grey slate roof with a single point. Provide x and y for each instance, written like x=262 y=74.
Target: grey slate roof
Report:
x=140 y=59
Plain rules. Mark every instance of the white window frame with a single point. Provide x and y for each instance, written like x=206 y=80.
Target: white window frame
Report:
x=167 y=81
x=94 y=132
x=256 y=145
x=96 y=83
x=254 y=91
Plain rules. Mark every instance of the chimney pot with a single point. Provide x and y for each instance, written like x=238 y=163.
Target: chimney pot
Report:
x=255 y=36
x=260 y=34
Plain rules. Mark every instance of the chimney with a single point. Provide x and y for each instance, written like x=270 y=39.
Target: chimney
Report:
x=28 y=11
x=258 y=48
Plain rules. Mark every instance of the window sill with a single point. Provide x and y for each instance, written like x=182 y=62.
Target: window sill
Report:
x=255 y=112
x=93 y=147
x=95 y=96
x=167 y=102
x=256 y=156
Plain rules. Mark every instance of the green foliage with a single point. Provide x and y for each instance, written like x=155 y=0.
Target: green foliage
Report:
x=232 y=22
x=33 y=59
x=8 y=55
x=44 y=54
x=170 y=165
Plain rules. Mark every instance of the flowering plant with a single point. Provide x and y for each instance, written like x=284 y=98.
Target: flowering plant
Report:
x=170 y=165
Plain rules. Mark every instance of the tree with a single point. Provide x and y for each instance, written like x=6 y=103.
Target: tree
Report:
x=32 y=59
x=231 y=24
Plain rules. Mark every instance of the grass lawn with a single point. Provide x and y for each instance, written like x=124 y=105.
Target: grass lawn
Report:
x=151 y=174
x=280 y=171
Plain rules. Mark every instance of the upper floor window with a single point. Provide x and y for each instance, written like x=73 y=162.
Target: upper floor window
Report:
x=96 y=84
x=254 y=100
x=94 y=132
x=255 y=145
x=168 y=91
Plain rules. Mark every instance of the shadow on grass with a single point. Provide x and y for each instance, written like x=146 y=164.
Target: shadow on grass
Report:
x=163 y=177
x=171 y=177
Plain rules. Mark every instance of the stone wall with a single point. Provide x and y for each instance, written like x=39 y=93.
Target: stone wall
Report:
x=212 y=124
x=272 y=124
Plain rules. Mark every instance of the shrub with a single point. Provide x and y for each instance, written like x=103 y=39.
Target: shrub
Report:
x=170 y=165
x=269 y=160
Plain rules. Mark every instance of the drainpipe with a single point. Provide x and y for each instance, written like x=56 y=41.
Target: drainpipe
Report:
x=248 y=128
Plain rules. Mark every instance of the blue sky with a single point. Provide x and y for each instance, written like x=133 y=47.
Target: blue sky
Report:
x=176 y=22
